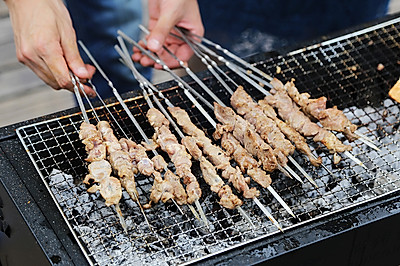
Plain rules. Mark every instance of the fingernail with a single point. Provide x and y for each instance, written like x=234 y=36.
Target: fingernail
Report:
x=153 y=44
x=82 y=71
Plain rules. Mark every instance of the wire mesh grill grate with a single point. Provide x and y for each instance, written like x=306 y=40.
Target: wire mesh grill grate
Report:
x=344 y=70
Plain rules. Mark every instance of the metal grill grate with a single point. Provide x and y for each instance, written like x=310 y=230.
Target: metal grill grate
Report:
x=344 y=70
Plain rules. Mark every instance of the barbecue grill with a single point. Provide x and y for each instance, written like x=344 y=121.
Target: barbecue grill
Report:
x=46 y=165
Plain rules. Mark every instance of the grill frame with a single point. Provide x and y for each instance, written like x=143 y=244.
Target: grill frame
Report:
x=18 y=132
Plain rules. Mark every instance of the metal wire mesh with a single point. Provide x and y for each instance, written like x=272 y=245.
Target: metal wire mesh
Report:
x=344 y=70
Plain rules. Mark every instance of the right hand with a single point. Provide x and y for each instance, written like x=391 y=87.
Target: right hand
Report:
x=45 y=42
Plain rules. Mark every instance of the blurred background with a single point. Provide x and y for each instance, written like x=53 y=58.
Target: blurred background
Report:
x=24 y=96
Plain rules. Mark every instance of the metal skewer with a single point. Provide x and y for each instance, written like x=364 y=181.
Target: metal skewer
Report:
x=210 y=120
x=74 y=80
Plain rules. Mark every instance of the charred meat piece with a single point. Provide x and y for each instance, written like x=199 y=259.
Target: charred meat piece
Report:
x=210 y=175
x=138 y=155
x=330 y=118
x=161 y=190
x=98 y=170
x=228 y=199
x=191 y=145
x=110 y=189
x=178 y=191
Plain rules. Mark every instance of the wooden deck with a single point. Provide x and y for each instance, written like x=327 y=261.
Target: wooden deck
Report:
x=23 y=95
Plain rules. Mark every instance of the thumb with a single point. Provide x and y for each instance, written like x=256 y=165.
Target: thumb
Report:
x=160 y=32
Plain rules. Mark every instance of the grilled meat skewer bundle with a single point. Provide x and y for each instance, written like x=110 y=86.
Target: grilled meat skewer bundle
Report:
x=245 y=160
x=128 y=158
x=99 y=169
x=177 y=153
x=245 y=134
x=270 y=128
x=215 y=154
x=330 y=118
x=119 y=160
x=288 y=111
x=164 y=190
x=266 y=127
x=221 y=160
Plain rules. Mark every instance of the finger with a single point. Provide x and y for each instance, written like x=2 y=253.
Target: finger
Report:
x=168 y=59
x=146 y=61
x=136 y=56
x=161 y=30
x=184 y=52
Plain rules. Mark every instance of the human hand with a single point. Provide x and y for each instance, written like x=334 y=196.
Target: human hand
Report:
x=46 y=43
x=163 y=16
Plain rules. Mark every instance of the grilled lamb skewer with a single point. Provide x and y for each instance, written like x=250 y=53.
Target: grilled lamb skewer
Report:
x=119 y=159
x=299 y=141
x=330 y=118
x=299 y=121
x=170 y=186
x=186 y=87
x=178 y=155
x=176 y=152
x=269 y=126
x=215 y=154
x=143 y=82
x=210 y=176
x=250 y=77
x=227 y=198
x=121 y=155
x=100 y=170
